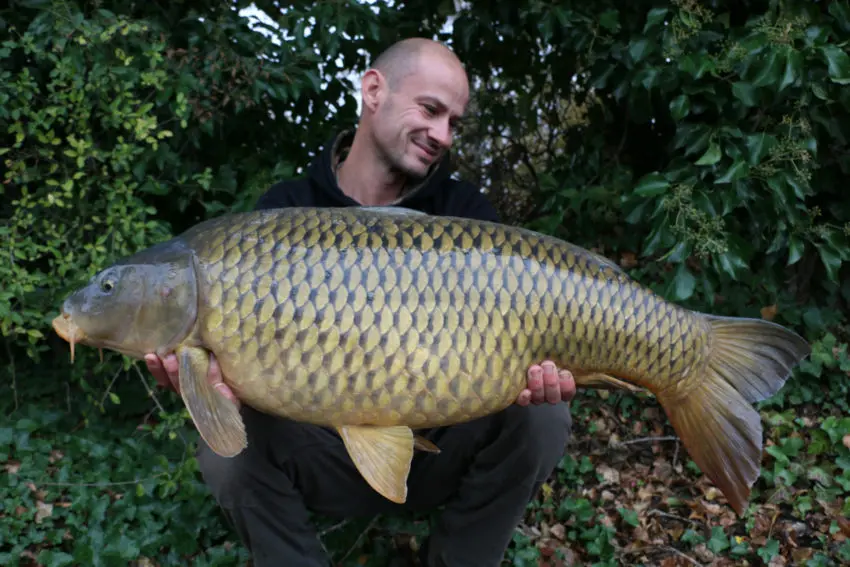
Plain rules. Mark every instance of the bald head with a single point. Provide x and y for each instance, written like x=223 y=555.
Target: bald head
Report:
x=413 y=96
x=404 y=57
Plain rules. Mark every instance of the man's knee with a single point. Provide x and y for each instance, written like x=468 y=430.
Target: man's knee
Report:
x=228 y=479
x=248 y=477
x=540 y=433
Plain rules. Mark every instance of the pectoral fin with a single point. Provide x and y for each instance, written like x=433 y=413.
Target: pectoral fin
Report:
x=382 y=455
x=602 y=382
x=216 y=418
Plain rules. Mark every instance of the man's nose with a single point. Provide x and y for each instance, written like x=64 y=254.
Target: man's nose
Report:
x=441 y=133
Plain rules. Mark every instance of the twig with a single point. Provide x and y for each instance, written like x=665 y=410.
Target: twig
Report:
x=360 y=538
x=334 y=527
x=152 y=394
x=643 y=440
x=772 y=523
x=673 y=516
x=687 y=558
x=98 y=484
x=676 y=454
x=109 y=388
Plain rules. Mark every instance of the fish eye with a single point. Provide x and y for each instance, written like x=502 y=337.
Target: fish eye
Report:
x=107 y=285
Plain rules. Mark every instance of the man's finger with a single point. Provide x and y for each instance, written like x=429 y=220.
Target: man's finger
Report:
x=552 y=389
x=535 y=384
x=524 y=398
x=157 y=371
x=172 y=367
x=568 y=385
x=215 y=378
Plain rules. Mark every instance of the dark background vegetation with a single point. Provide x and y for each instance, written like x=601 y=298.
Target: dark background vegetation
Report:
x=703 y=145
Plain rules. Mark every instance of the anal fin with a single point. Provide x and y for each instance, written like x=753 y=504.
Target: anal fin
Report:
x=216 y=418
x=382 y=455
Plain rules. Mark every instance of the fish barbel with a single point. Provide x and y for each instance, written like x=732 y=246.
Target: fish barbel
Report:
x=381 y=321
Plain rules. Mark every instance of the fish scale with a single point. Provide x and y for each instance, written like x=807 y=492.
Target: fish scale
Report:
x=378 y=322
x=426 y=266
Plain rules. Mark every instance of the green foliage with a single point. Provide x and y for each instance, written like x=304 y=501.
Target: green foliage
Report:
x=704 y=146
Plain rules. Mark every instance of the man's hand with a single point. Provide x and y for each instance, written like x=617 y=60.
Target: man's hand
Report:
x=547 y=384
x=165 y=372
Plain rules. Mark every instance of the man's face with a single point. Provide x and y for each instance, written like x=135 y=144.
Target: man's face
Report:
x=414 y=125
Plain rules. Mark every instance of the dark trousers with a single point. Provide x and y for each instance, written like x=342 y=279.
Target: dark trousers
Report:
x=486 y=474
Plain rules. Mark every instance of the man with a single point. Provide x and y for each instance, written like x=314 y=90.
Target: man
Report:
x=487 y=470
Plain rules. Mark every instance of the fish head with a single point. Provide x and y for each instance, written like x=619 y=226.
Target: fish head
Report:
x=145 y=303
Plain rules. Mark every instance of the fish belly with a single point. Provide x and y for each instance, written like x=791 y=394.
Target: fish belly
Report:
x=345 y=316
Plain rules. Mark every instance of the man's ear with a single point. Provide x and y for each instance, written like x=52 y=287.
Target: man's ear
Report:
x=373 y=88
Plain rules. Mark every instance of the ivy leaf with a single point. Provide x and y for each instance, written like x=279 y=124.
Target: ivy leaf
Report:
x=838 y=63
x=639 y=49
x=793 y=69
x=795 y=250
x=651 y=185
x=831 y=261
x=680 y=107
x=745 y=92
x=737 y=170
x=683 y=283
x=711 y=156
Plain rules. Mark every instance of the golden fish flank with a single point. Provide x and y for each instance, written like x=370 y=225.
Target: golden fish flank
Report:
x=379 y=321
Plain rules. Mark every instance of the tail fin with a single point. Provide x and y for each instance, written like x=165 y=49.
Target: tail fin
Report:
x=749 y=361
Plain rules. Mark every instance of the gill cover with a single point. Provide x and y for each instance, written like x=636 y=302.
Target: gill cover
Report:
x=144 y=303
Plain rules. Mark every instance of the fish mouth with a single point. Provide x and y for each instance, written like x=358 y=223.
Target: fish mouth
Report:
x=69 y=331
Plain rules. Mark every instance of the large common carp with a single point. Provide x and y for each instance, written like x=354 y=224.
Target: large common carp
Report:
x=381 y=321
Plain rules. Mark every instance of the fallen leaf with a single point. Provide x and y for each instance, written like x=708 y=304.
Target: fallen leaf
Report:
x=42 y=511
x=777 y=561
x=703 y=553
x=558 y=531
x=609 y=475
x=846 y=440
x=12 y=467
x=769 y=312
x=628 y=260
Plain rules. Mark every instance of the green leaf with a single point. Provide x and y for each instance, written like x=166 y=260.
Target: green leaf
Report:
x=838 y=63
x=840 y=10
x=651 y=185
x=768 y=551
x=769 y=71
x=684 y=283
x=796 y=247
x=680 y=107
x=831 y=260
x=719 y=541
x=640 y=48
x=745 y=92
x=759 y=146
x=711 y=156
x=629 y=516
x=654 y=17
x=737 y=170
x=793 y=69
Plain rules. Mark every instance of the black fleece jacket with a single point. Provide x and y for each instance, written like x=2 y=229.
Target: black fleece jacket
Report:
x=437 y=194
